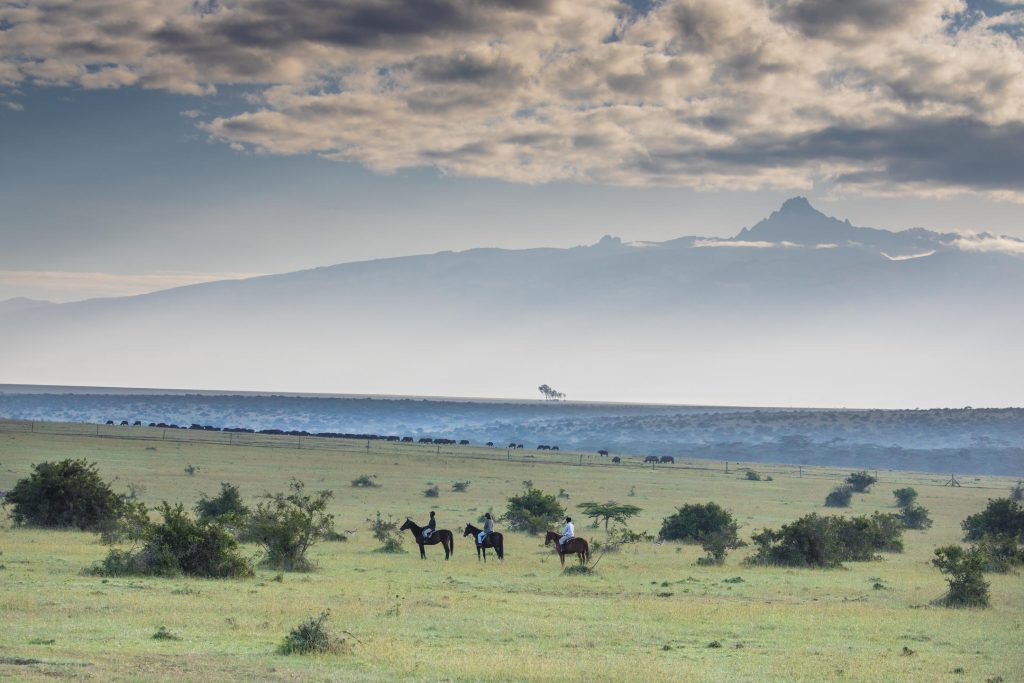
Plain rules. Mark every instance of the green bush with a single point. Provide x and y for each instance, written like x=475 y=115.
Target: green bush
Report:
x=432 y=492
x=309 y=637
x=826 y=541
x=65 y=494
x=533 y=511
x=839 y=497
x=717 y=544
x=1000 y=553
x=365 y=481
x=129 y=525
x=386 y=531
x=1017 y=492
x=694 y=522
x=753 y=476
x=226 y=507
x=915 y=517
x=967 y=586
x=905 y=496
x=288 y=525
x=460 y=486
x=179 y=545
x=1002 y=517
x=861 y=481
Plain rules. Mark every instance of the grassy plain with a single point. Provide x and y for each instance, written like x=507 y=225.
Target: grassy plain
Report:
x=648 y=612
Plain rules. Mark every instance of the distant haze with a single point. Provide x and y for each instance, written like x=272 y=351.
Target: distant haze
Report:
x=799 y=310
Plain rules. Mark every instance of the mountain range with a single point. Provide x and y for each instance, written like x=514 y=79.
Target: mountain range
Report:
x=799 y=309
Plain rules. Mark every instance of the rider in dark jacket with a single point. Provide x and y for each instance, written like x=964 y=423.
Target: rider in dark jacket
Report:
x=430 y=527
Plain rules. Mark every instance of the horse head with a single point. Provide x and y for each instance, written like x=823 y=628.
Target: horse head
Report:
x=467 y=531
x=551 y=536
x=407 y=525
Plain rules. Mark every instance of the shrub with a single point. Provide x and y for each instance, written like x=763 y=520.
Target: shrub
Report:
x=129 y=525
x=1017 y=492
x=533 y=511
x=861 y=481
x=619 y=536
x=460 y=486
x=717 y=544
x=226 y=507
x=693 y=522
x=915 y=517
x=825 y=541
x=365 y=481
x=753 y=476
x=65 y=494
x=288 y=525
x=163 y=633
x=432 y=492
x=1002 y=516
x=180 y=545
x=839 y=497
x=1000 y=553
x=562 y=493
x=309 y=637
x=967 y=586
x=905 y=496
x=387 y=533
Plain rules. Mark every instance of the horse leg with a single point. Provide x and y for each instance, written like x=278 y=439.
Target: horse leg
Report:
x=447 y=547
x=561 y=556
x=423 y=552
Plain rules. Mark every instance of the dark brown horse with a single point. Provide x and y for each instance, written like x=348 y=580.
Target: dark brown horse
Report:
x=576 y=545
x=442 y=536
x=493 y=540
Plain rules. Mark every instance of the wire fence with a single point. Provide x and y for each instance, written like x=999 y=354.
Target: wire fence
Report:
x=477 y=452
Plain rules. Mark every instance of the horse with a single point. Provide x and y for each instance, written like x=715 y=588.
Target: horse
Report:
x=576 y=545
x=442 y=536
x=493 y=540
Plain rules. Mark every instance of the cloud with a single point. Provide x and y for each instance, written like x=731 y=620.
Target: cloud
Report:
x=907 y=257
x=990 y=243
x=740 y=244
x=918 y=97
x=68 y=286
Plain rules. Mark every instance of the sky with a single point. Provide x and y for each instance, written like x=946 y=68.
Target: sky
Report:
x=153 y=143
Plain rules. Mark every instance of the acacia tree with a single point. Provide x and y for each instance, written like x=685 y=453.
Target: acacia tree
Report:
x=549 y=393
x=610 y=511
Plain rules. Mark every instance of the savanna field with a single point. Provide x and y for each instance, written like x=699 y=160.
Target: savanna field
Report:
x=647 y=612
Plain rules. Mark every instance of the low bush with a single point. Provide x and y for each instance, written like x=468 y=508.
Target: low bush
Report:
x=1000 y=553
x=288 y=525
x=693 y=522
x=1002 y=517
x=915 y=517
x=130 y=524
x=533 y=511
x=717 y=544
x=827 y=541
x=753 y=476
x=227 y=507
x=905 y=496
x=65 y=494
x=460 y=486
x=432 y=492
x=365 y=481
x=179 y=545
x=1017 y=492
x=387 y=532
x=861 y=481
x=310 y=637
x=967 y=586
x=839 y=497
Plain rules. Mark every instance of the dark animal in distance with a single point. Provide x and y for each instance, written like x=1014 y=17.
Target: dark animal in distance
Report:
x=602 y=452
x=442 y=536
x=616 y=460
x=577 y=546
x=651 y=458
x=667 y=458
x=494 y=540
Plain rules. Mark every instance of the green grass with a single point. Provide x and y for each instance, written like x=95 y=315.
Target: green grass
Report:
x=646 y=613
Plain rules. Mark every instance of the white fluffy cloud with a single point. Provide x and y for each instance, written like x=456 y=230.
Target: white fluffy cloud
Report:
x=920 y=96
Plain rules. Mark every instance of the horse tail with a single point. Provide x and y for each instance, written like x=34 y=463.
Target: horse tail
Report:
x=451 y=543
x=586 y=547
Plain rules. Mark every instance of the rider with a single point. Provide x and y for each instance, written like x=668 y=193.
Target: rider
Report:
x=430 y=527
x=568 y=532
x=488 y=529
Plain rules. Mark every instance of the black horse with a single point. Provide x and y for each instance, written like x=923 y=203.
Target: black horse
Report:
x=442 y=536
x=493 y=540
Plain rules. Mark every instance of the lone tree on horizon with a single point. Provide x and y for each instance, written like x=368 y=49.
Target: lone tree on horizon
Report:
x=608 y=511
x=549 y=393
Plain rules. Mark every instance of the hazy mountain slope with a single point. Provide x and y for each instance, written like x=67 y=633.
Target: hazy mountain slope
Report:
x=766 y=318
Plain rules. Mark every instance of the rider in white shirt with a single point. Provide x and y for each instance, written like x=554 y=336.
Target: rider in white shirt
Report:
x=568 y=532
